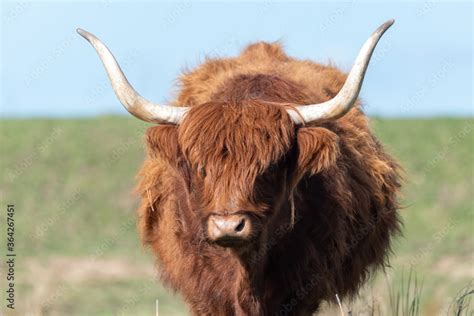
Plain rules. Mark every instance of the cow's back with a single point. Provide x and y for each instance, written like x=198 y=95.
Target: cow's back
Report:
x=264 y=66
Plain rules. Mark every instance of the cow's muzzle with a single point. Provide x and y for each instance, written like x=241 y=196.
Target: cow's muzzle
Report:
x=229 y=230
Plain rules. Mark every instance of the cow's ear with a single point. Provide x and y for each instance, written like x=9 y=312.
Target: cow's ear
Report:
x=318 y=149
x=162 y=142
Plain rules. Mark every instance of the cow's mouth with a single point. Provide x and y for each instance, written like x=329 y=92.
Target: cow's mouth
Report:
x=231 y=242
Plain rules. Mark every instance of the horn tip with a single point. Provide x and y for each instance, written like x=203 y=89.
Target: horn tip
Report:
x=389 y=23
x=83 y=33
x=382 y=28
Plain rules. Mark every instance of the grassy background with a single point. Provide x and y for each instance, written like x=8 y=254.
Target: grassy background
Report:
x=77 y=247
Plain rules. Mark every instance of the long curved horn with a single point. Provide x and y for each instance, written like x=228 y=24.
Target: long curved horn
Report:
x=131 y=100
x=347 y=96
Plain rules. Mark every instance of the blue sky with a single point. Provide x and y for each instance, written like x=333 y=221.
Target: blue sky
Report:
x=422 y=66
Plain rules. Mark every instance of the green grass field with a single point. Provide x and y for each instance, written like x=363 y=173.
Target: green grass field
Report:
x=77 y=247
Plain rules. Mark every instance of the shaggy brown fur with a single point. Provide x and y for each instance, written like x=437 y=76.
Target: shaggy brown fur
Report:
x=323 y=198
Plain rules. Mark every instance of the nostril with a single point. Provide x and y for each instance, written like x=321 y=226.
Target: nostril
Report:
x=240 y=226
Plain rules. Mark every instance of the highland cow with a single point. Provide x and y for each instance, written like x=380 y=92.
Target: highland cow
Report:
x=264 y=192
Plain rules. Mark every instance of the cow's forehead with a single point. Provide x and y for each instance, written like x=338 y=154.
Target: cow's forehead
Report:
x=249 y=133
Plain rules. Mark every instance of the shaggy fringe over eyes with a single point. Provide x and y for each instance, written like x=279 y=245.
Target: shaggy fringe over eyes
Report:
x=234 y=143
